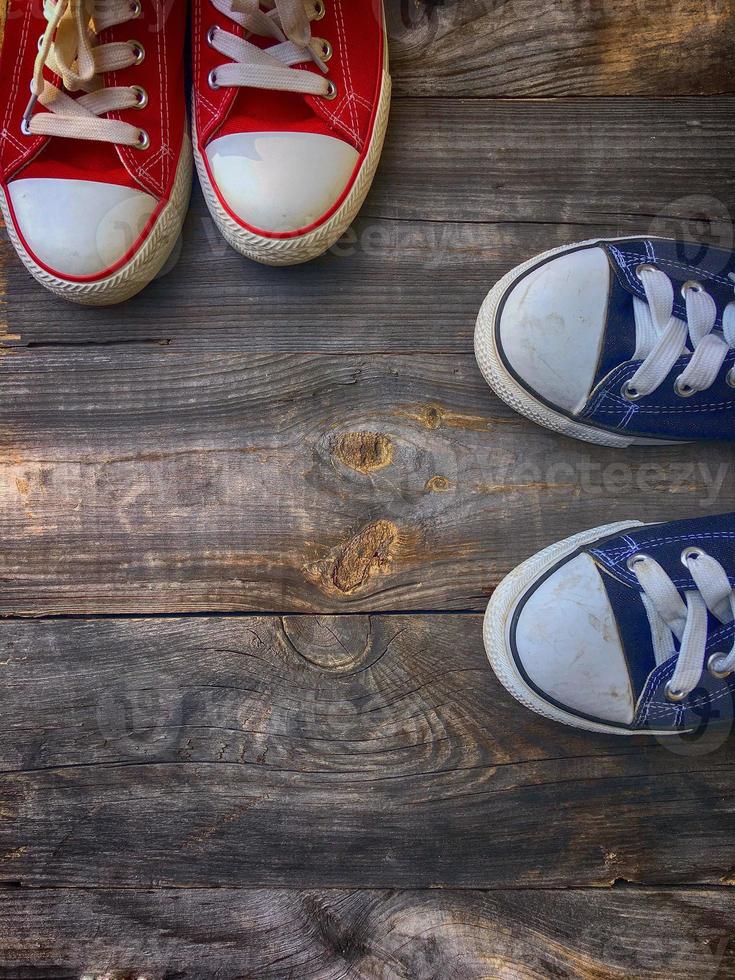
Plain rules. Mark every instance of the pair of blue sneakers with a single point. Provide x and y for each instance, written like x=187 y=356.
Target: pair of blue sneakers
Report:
x=629 y=627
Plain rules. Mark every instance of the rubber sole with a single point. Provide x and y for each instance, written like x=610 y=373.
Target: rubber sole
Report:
x=507 y=387
x=140 y=269
x=499 y=618
x=302 y=248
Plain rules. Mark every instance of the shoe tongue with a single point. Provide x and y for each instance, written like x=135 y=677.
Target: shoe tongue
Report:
x=620 y=341
x=634 y=629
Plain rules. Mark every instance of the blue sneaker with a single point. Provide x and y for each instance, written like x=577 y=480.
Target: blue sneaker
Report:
x=616 y=342
x=626 y=628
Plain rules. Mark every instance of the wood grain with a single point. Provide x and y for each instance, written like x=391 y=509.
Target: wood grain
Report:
x=438 y=230
x=295 y=483
x=529 y=48
x=367 y=935
x=238 y=796
x=314 y=752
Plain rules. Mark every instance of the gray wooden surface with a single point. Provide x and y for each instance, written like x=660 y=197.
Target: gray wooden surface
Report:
x=357 y=751
x=249 y=523
x=467 y=188
x=295 y=482
x=225 y=932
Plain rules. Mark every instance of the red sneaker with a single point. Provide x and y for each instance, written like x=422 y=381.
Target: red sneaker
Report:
x=291 y=101
x=95 y=171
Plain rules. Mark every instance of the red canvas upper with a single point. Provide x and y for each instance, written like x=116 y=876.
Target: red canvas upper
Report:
x=354 y=28
x=161 y=30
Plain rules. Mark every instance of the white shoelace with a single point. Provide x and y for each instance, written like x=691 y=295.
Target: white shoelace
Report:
x=661 y=338
x=669 y=614
x=69 y=48
x=288 y=22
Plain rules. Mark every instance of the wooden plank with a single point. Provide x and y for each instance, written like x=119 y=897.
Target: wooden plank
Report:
x=322 y=752
x=440 y=227
x=530 y=48
x=272 y=935
x=145 y=480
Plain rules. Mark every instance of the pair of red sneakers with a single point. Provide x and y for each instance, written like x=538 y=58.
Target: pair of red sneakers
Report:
x=289 y=110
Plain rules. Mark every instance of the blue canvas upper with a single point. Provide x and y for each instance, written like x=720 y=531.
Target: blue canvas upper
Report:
x=712 y=701
x=708 y=414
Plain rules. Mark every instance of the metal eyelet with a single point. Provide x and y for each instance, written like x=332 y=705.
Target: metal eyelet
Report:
x=319 y=9
x=631 y=393
x=144 y=140
x=730 y=377
x=210 y=35
x=212 y=79
x=138 y=50
x=696 y=287
x=331 y=92
x=40 y=42
x=684 y=390
x=721 y=675
x=645 y=267
x=141 y=97
x=636 y=560
x=675 y=696
x=326 y=51
x=25 y=127
x=136 y=8
x=690 y=554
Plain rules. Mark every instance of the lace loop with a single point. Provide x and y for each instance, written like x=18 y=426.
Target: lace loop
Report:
x=288 y=24
x=70 y=50
x=687 y=619
x=662 y=338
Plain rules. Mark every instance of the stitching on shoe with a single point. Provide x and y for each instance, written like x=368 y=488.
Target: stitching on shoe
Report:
x=164 y=152
x=595 y=405
x=342 y=125
x=343 y=44
x=7 y=135
x=159 y=183
x=628 y=258
x=165 y=169
x=200 y=98
x=653 y=707
x=16 y=81
x=618 y=562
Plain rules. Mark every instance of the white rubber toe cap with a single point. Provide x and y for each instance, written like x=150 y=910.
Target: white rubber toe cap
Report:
x=568 y=644
x=79 y=228
x=553 y=324
x=281 y=182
